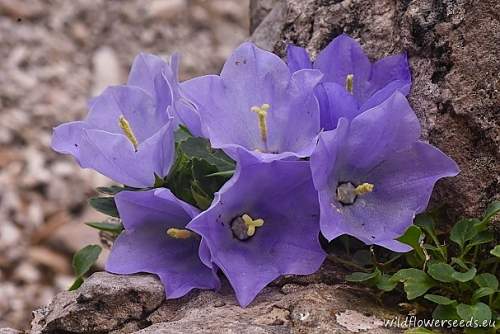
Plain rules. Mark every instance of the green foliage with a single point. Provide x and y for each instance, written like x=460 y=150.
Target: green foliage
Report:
x=454 y=274
x=105 y=205
x=197 y=173
x=199 y=170
x=83 y=260
x=114 y=229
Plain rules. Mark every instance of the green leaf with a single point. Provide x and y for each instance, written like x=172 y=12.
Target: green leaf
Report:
x=159 y=182
x=415 y=281
x=478 y=311
x=486 y=280
x=182 y=133
x=111 y=190
x=359 y=277
x=385 y=283
x=442 y=272
x=202 y=200
x=445 y=312
x=107 y=227
x=413 y=237
x=492 y=209
x=426 y=222
x=85 y=258
x=483 y=237
x=463 y=231
x=441 y=300
x=495 y=251
x=195 y=147
x=459 y=262
x=227 y=173
x=76 y=283
x=180 y=177
x=105 y=205
x=482 y=292
x=464 y=277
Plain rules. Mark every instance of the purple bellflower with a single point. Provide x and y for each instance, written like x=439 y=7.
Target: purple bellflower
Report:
x=351 y=84
x=373 y=175
x=128 y=133
x=155 y=241
x=263 y=223
x=257 y=104
x=161 y=81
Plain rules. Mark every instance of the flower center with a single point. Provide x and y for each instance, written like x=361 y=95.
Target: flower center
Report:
x=179 y=233
x=262 y=114
x=349 y=82
x=127 y=130
x=347 y=193
x=243 y=227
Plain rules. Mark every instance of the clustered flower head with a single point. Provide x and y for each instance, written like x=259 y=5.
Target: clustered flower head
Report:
x=327 y=147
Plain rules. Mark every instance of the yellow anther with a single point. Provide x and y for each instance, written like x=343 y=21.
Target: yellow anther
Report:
x=349 y=83
x=364 y=188
x=127 y=129
x=251 y=224
x=178 y=233
x=262 y=114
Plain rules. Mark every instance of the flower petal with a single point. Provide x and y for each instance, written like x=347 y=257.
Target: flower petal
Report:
x=250 y=78
x=131 y=102
x=390 y=69
x=341 y=57
x=376 y=133
x=280 y=193
x=340 y=103
x=297 y=58
x=146 y=73
x=144 y=246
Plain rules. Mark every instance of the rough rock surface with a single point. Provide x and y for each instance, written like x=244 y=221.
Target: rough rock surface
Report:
x=109 y=303
x=454 y=56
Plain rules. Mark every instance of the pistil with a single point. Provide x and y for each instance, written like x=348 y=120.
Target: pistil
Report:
x=349 y=83
x=243 y=227
x=262 y=114
x=179 y=233
x=347 y=193
x=127 y=130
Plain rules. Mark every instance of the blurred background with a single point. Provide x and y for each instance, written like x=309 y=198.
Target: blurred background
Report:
x=55 y=55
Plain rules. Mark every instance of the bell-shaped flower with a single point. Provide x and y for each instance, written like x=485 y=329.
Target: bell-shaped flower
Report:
x=161 y=81
x=257 y=104
x=156 y=241
x=263 y=223
x=351 y=83
x=128 y=133
x=373 y=175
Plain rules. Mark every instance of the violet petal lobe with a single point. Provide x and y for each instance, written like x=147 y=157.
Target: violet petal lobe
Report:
x=257 y=104
x=344 y=63
x=124 y=137
x=373 y=176
x=297 y=58
x=280 y=197
x=145 y=246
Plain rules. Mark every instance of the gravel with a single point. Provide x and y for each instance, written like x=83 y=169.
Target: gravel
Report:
x=55 y=55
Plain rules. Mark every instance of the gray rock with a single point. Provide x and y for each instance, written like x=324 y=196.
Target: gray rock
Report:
x=108 y=303
x=9 y=331
x=105 y=302
x=454 y=56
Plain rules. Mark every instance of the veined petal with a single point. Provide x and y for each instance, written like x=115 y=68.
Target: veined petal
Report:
x=377 y=132
x=144 y=246
x=344 y=56
x=282 y=195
